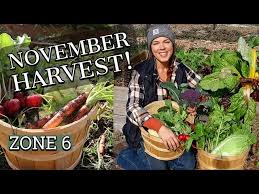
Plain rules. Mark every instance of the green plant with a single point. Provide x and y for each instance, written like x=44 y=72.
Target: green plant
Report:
x=193 y=58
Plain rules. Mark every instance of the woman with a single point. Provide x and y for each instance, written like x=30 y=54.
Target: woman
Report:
x=144 y=88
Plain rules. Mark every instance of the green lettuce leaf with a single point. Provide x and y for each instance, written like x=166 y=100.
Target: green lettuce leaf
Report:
x=233 y=145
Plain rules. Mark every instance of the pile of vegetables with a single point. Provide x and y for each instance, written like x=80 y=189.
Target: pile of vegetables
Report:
x=228 y=130
x=181 y=121
x=173 y=119
x=224 y=100
x=46 y=111
x=44 y=107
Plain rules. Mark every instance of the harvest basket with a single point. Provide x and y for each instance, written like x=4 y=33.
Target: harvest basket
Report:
x=48 y=160
x=207 y=161
x=153 y=145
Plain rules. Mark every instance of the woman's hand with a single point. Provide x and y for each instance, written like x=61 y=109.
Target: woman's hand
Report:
x=169 y=138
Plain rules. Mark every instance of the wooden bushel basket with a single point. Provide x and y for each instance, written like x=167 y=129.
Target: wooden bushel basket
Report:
x=154 y=146
x=48 y=160
x=207 y=161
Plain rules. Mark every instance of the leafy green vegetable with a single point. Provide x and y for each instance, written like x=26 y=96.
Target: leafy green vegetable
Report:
x=172 y=119
x=233 y=145
x=223 y=58
x=101 y=91
x=228 y=77
x=193 y=58
x=241 y=108
x=6 y=40
x=245 y=69
x=251 y=112
x=238 y=105
x=253 y=41
x=173 y=91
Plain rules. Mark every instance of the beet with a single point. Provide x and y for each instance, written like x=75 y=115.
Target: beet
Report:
x=12 y=107
x=34 y=101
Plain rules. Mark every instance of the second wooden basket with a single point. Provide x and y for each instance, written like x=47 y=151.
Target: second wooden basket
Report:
x=154 y=146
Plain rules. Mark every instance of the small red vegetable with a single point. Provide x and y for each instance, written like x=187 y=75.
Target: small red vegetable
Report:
x=183 y=137
x=21 y=97
x=34 y=101
x=12 y=107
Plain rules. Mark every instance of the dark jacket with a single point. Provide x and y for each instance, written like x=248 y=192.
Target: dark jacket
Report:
x=148 y=78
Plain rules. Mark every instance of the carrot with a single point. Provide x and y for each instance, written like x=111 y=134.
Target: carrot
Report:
x=43 y=121
x=40 y=123
x=82 y=112
x=66 y=111
x=101 y=148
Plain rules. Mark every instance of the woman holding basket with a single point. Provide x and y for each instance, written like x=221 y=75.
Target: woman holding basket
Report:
x=144 y=88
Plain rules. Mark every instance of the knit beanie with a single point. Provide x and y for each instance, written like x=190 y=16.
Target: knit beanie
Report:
x=159 y=30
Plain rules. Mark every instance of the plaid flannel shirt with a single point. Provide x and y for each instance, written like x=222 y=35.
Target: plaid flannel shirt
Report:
x=137 y=114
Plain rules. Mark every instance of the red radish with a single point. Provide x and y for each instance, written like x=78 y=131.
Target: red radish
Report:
x=34 y=101
x=12 y=107
x=183 y=137
x=21 y=97
x=2 y=111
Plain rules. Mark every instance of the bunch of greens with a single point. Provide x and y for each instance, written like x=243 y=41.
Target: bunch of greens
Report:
x=219 y=134
x=176 y=121
x=224 y=58
x=193 y=58
x=231 y=68
x=173 y=119
x=228 y=129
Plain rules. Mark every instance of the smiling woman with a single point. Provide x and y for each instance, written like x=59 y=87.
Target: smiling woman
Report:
x=144 y=88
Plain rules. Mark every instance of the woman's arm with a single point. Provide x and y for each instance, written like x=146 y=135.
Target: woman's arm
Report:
x=140 y=117
x=135 y=112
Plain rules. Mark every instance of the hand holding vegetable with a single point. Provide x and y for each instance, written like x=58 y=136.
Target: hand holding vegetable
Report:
x=169 y=138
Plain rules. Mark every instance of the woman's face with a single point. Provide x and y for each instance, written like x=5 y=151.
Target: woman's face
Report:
x=162 y=49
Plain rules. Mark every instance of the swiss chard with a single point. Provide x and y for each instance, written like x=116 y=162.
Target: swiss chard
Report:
x=228 y=77
x=223 y=58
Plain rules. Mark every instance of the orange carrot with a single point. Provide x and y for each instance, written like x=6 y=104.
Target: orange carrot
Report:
x=82 y=112
x=40 y=123
x=66 y=111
